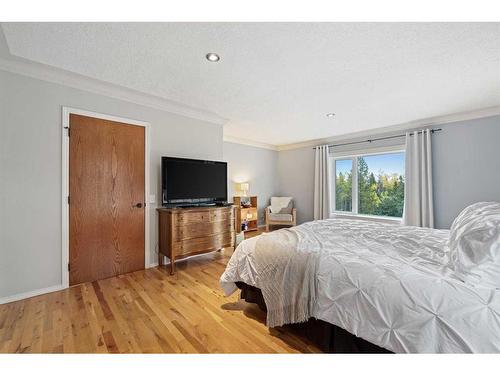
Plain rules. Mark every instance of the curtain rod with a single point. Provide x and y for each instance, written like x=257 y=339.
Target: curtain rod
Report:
x=379 y=139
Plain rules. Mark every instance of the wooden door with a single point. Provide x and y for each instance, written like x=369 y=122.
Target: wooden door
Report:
x=106 y=199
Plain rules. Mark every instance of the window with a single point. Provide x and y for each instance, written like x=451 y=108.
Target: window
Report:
x=343 y=185
x=370 y=184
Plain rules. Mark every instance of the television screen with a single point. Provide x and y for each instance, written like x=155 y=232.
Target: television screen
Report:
x=190 y=181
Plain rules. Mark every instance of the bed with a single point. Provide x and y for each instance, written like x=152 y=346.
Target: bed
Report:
x=393 y=286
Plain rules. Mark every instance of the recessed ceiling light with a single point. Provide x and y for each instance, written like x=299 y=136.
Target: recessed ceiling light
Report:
x=212 y=57
x=330 y=114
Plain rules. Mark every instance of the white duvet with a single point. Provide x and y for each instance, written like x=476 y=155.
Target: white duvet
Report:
x=388 y=284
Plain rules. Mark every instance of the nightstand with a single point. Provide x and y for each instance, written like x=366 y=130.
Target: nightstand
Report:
x=246 y=214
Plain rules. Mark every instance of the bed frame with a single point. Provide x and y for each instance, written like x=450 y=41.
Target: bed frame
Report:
x=328 y=337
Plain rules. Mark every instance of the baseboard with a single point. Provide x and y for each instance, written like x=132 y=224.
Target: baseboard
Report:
x=38 y=292
x=50 y=289
x=33 y=293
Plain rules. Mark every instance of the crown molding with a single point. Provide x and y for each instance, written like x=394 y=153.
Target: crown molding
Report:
x=430 y=121
x=247 y=142
x=55 y=75
x=59 y=76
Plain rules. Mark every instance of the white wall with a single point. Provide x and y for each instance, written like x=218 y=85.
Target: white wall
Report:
x=466 y=167
x=466 y=158
x=258 y=167
x=296 y=179
x=465 y=170
x=30 y=171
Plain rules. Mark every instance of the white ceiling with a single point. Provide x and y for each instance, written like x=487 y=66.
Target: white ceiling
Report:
x=276 y=81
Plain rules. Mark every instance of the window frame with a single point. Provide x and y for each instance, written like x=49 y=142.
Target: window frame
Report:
x=354 y=155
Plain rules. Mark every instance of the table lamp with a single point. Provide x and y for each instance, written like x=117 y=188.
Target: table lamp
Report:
x=243 y=187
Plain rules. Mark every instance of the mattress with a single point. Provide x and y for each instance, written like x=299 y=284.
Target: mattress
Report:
x=388 y=284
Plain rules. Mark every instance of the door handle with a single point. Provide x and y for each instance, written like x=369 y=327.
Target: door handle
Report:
x=137 y=205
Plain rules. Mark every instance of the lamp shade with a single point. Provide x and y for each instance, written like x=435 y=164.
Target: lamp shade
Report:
x=244 y=186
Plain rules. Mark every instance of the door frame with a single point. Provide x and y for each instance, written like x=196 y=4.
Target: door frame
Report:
x=66 y=112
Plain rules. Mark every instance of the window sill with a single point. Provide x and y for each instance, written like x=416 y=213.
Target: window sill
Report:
x=382 y=219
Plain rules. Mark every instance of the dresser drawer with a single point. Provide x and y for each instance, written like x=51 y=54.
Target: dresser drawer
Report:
x=194 y=230
x=191 y=217
x=204 y=244
x=222 y=215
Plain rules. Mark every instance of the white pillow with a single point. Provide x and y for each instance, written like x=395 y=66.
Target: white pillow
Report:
x=281 y=205
x=475 y=244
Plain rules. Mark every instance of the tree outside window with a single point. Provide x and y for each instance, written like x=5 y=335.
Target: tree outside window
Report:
x=380 y=184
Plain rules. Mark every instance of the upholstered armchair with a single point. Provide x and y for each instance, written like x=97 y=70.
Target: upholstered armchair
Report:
x=281 y=212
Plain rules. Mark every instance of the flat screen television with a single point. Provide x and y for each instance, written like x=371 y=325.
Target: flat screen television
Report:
x=191 y=182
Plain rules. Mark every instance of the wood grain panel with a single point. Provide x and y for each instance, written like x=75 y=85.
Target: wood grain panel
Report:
x=190 y=217
x=202 y=229
x=221 y=215
x=106 y=181
x=203 y=244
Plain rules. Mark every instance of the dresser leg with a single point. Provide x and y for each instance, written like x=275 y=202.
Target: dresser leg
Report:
x=172 y=266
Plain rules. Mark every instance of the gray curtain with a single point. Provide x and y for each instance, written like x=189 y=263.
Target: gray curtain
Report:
x=321 y=184
x=419 y=203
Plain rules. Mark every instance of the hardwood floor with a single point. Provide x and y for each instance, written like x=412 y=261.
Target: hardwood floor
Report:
x=145 y=312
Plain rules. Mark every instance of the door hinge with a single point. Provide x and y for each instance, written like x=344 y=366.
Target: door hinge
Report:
x=67 y=128
x=69 y=267
x=68 y=199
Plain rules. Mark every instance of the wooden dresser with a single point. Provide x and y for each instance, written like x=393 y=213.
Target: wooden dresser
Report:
x=189 y=231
